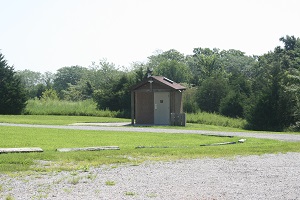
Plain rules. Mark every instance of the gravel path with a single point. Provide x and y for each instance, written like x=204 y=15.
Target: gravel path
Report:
x=282 y=137
x=251 y=177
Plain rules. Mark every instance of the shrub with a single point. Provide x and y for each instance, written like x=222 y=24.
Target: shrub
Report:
x=189 y=101
x=231 y=106
x=210 y=93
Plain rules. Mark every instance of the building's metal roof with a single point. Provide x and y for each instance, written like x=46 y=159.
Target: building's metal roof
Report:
x=160 y=79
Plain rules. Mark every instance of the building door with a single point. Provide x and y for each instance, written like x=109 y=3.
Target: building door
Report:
x=162 y=108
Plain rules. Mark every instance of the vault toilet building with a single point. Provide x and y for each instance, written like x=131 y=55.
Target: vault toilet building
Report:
x=157 y=100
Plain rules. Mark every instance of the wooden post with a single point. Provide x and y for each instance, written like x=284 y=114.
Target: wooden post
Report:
x=132 y=107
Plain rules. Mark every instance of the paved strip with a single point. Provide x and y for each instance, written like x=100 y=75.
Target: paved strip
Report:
x=281 y=137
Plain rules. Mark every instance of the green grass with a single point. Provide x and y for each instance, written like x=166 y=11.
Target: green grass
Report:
x=56 y=119
x=110 y=183
x=205 y=127
x=182 y=146
x=74 y=180
x=65 y=120
x=129 y=193
x=9 y=197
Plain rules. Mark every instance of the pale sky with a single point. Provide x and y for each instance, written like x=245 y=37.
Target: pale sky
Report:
x=45 y=35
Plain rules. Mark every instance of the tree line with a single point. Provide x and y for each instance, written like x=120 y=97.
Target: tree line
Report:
x=262 y=89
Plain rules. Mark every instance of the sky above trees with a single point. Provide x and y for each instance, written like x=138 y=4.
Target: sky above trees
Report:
x=50 y=34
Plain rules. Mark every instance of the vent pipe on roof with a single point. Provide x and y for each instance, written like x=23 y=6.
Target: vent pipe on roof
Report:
x=149 y=72
x=150 y=81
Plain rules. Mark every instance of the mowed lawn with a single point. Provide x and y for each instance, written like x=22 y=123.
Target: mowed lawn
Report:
x=166 y=147
x=56 y=119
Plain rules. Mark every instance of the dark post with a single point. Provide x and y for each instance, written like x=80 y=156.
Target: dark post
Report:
x=132 y=107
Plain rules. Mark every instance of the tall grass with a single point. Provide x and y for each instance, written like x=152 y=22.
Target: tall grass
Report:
x=61 y=107
x=89 y=108
x=215 y=119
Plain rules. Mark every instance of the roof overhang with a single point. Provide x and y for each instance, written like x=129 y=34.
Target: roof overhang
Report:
x=161 y=80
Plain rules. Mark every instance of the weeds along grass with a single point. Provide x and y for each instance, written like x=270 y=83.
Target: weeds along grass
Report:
x=60 y=107
x=180 y=146
x=88 y=108
x=215 y=119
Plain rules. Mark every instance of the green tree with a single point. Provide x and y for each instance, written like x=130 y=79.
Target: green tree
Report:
x=38 y=90
x=117 y=98
x=67 y=76
x=170 y=64
x=232 y=105
x=111 y=87
x=189 y=101
x=104 y=75
x=210 y=93
x=48 y=79
x=33 y=83
x=138 y=72
x=176 y=71
x=204 y=63
x=235 y=62
x=30 y=78
x=160 y=56
x=229 y=67
x=292 y=87
x=12 y=93
x=81 y=91
x=49 y=94
x=236 y=100
x=276 y=104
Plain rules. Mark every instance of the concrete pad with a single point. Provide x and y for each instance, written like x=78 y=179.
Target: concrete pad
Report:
x=89 y=149
x=20 y=150
x=103 y=124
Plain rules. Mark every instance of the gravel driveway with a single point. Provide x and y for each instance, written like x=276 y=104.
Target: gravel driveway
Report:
x=251 y=177
x=271 y=176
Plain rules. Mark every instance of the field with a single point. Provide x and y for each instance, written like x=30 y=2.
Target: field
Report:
x=68 y=108
x=180 y=146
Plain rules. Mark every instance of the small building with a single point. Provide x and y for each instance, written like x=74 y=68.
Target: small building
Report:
x=157 y=101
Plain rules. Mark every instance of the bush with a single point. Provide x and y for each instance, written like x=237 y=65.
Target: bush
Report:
x=49 y=94
x=189 y=101
x=231 y=105
x=210 y=93
x=118 y=98
x=271 y=112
